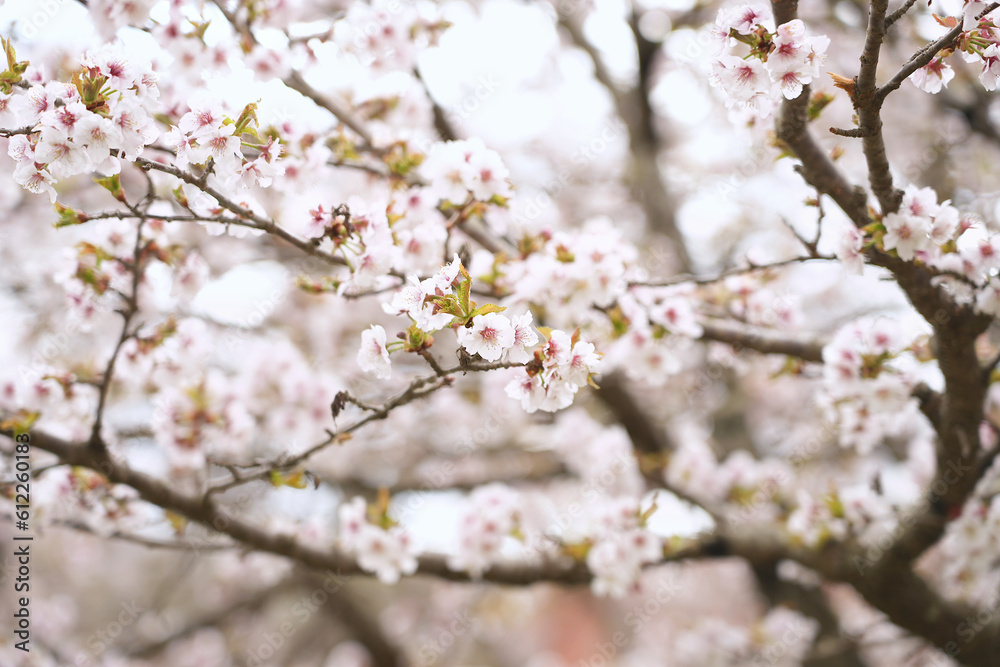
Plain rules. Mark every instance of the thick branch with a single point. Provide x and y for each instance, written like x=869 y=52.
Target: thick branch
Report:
x=956 y=327
x=633 y=107
x=817 y=168
x=869 y=107
x=905 y=597
x=761 y=340
x=831 y=648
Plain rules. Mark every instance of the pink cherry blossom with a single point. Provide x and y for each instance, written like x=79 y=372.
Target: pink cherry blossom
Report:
x=373 y=357
x=490 y=336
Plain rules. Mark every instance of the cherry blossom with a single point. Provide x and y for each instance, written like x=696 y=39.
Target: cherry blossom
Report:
x=757 y=70
x=459 y=169
x=524 y=338
x=490 y=518
x=933 y=77
x=906 y=234
x=991 y=67
x=611 y=329
x=386 y=552
x=490 y=336
x=373 y=357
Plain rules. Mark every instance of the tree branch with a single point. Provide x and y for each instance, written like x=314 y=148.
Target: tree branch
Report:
x=902 y=595
x=761 y=340
x=868 y=104
x=634 y=109
x=685 y=279
x=925 y=55
x=791 y=127
x=263 y=224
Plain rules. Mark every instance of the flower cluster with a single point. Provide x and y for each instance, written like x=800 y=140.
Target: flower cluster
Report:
x=979 y=43
x=460 y=169
x=836 y=514
x=756 y=66
x=740 y=479
x=83 y=126
x=782 y=638
x=417 y=300
x=937 y=235
x=553 y=373
x=383 y=548
x=569 y=272
x=205 y=133
x=111 y=15
x=661 y=328
x=491 y=516
x=360 y=232
x=970 y=546
x=560 y=367
x=383 y=34
x=203 y=418
x=621 y=547
x=920 y=223
x=867 y=383
x=494 y=335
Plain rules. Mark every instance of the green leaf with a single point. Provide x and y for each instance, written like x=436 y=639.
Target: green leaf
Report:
x=68 y=216
x=818 y=102
x=247 y=118
x=464 y=291
x=487 y=308
x=296 y=480
x=113 y=185
x=88 y=248
x=15 y=68
x=21 y=422
x=836 y=507
x=447 y=304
